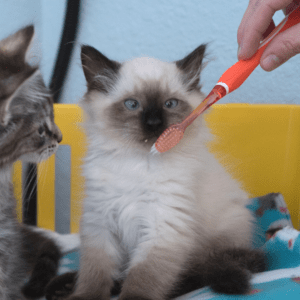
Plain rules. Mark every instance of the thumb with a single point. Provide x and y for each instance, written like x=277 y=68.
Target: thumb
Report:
x=281 y=48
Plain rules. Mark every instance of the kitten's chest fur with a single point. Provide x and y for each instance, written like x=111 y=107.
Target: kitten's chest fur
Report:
x=135 y=196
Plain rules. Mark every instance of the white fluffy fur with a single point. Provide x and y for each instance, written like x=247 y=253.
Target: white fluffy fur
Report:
x=136 y=201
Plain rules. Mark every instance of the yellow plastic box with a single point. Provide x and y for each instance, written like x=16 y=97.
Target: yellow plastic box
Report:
x=258 y=144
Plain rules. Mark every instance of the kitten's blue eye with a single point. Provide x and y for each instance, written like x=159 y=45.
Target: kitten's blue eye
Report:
x=132 y=104
x=171 y=103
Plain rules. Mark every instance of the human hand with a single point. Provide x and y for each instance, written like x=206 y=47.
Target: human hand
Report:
x=257 y=23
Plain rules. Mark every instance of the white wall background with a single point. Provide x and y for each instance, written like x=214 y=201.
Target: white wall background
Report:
x=165 y=29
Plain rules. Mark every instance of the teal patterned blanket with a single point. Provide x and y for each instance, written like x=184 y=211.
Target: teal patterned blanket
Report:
x=273 y=233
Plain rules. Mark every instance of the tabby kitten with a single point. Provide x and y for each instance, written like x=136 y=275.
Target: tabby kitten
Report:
x=161 y=225
x=28 y=132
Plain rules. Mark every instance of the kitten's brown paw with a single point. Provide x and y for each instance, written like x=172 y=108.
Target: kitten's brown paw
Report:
x=61 y=286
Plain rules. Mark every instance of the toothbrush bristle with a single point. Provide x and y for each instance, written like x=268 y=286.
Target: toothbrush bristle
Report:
x=168 y=139
x=153 y=150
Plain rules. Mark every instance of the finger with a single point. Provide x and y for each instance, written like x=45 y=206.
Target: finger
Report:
x=244 y=20
x=257 y=21
x=281 y=48
x=267 y=32
x=250 y=11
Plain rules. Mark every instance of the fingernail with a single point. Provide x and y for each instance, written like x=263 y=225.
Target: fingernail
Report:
x=270 y=62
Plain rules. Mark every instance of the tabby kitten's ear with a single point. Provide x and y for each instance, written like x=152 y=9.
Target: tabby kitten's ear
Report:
x=13 y=67
x=100 y=72
x=17 y=45
x=191 y=67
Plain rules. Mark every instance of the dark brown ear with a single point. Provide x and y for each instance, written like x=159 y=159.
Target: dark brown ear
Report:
x=16 y=45
x=100 y=72
x=191 y=66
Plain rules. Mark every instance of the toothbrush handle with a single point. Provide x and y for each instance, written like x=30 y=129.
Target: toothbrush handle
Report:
x=240 y=71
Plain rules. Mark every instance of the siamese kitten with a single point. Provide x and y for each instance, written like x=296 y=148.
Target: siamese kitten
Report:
x=165 y=224
x=28 y=132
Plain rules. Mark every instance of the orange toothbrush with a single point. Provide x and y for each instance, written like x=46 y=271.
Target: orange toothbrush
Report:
x=229 y=81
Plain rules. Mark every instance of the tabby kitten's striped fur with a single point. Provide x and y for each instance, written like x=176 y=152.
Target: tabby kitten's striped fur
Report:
x=27 y=132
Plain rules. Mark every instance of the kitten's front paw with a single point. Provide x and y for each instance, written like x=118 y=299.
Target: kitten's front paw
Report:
x=61 y=286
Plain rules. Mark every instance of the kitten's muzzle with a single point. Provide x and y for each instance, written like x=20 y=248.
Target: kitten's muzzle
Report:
x=153 y=120
x=57 y=135
x=154 y=126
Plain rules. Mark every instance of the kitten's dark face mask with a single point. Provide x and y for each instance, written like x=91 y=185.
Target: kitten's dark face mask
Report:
x=145 y=114
x=27 y=128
